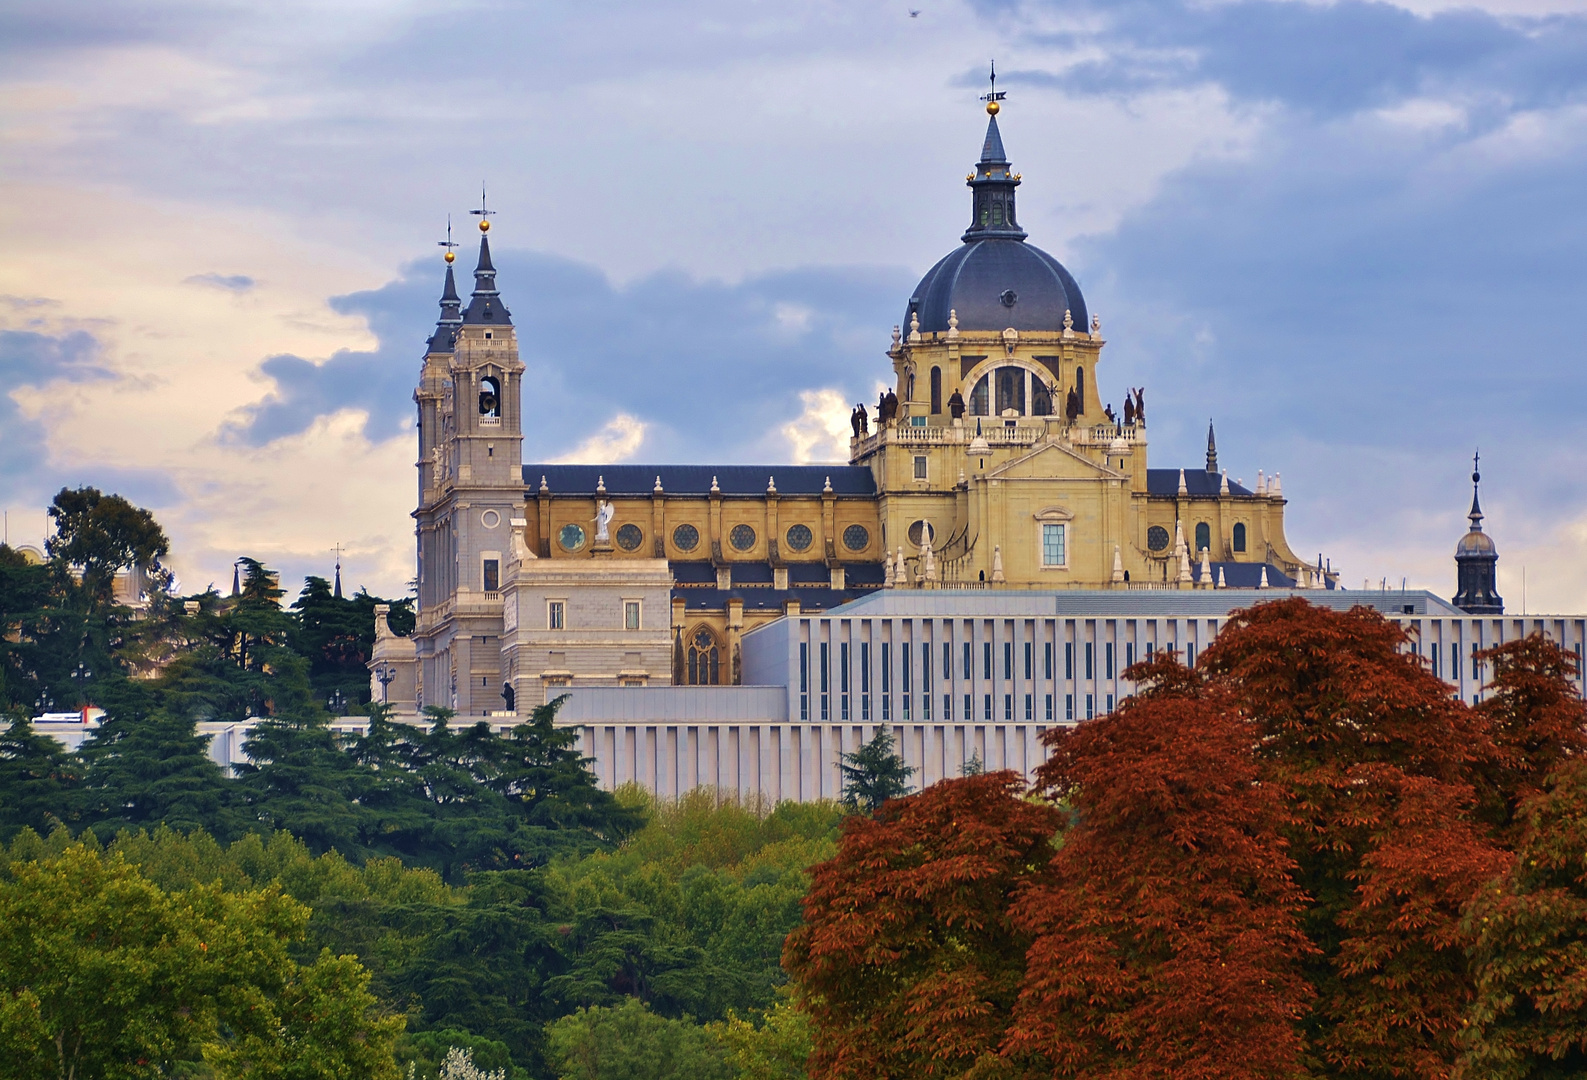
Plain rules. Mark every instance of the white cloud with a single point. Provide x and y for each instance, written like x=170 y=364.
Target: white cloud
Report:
x=617 y=441
x=821 y=432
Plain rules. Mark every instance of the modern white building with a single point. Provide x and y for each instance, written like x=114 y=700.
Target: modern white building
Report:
x=957 y=674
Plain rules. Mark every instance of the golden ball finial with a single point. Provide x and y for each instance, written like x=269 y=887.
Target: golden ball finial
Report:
x=992 y=108
x=484 y=224
x=450 y=257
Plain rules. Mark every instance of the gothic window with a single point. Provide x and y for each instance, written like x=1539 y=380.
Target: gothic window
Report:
x=936 y=391
x=856 y=537
x=490 y=398
x=1203 y=536
x=629 y=537
x=1157 y=538
x=800 y=537
x=979 y=397
x=742 y=537
x=571 y=537
x=1239 y=536
x=705 y=665
x=686 y=537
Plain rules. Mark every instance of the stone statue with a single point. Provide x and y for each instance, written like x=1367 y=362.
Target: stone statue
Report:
x=604 y=513
x=854 y=420
x=1129 y=408
x=886 y=409
x=956 y=405
x=1072 y=406
x=1140 y=406
x=865 y=419
x=881 y=410
x=1108 y=412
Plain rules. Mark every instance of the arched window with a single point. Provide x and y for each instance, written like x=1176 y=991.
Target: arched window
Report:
x=1203 y=536
x=1080 y=387
x=705 y=668
x=936 y=390
x=1011 y=390
x=997 y=213
x=978 y=398
x=1239 y=536
x=1041 y=399
x=490 y=397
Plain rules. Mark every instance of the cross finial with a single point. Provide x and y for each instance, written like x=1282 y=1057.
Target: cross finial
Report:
x=1476 y=458
x=483 y=214
x=992 y=97
x=447 y=243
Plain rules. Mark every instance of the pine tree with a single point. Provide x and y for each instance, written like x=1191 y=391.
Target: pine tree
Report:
x=874 y=773
x=156 y=770
x=38 y=780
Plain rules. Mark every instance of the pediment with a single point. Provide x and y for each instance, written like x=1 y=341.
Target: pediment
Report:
x=1050 y=460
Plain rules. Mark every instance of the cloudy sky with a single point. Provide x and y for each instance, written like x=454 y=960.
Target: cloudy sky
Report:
x=1352 y=233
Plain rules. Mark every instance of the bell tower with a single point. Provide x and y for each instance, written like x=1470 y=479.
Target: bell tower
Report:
x=470 y=468
x=1477 y=562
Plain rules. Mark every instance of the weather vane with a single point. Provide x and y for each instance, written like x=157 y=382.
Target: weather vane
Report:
x=994 y=95
x=483 y=214
x=447 y=243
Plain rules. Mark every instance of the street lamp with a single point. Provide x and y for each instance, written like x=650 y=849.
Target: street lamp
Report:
x=337 y=703
x=385 y=673
x=44 y=703
x=80 y=676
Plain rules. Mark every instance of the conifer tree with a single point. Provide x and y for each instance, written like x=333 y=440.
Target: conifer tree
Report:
x=874 y=773
x=38 y=780
x=155 y=770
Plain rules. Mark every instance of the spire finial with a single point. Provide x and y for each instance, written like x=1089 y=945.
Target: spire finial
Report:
x=992 y=97
x=337 y=591
x=1476 y=478
x=483 y=214
x=1212 y=449
x=450 y=257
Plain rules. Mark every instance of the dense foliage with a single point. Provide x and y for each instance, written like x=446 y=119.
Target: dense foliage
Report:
x=1304 y=858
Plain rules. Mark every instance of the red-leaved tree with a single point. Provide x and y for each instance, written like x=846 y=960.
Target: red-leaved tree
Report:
x=1372 y=757
x=1166 y=938
x=908 y=962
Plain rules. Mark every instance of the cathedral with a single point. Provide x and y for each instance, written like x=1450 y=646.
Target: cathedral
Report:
x=991 y=464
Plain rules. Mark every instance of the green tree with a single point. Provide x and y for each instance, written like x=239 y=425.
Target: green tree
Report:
x=778 y=1048
x=337 y=636
x=1528 y=934
x=38 y=780
x=101 y=534
x=25 y=595
x=154 y=770
x=874 y=773
x=629 y=1042
x=105 y=974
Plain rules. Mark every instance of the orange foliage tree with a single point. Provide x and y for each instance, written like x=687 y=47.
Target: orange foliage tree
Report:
x=908 y=962
x=1372 y=756
x=1166 y=938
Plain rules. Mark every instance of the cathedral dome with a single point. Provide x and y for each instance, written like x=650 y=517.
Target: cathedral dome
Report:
x=995 y=280
x=994 y=283
x=1475 y=543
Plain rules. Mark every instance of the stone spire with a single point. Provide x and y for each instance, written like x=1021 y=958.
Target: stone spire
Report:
x=1477 y=562
x=485 y=306
x=992 y=187
x=445 y=337
x=1212 y=449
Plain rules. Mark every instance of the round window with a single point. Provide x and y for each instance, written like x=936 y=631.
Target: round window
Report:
x=742 y=537
x=1157 y=538
x=571 y=537
x=490 y=519
x=629 y=537
x=856 y=537
x=921 y=531
x=686 y=537
x=800 y=537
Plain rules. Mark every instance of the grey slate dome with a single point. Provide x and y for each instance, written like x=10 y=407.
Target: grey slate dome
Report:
x=995 y=279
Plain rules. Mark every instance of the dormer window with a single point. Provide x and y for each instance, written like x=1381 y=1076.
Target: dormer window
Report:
x=490 y=398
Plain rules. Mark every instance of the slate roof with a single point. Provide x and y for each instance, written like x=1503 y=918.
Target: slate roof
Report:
x=1246 y=575
x=767 y=599
x=696 y=479
x=1198 y=481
